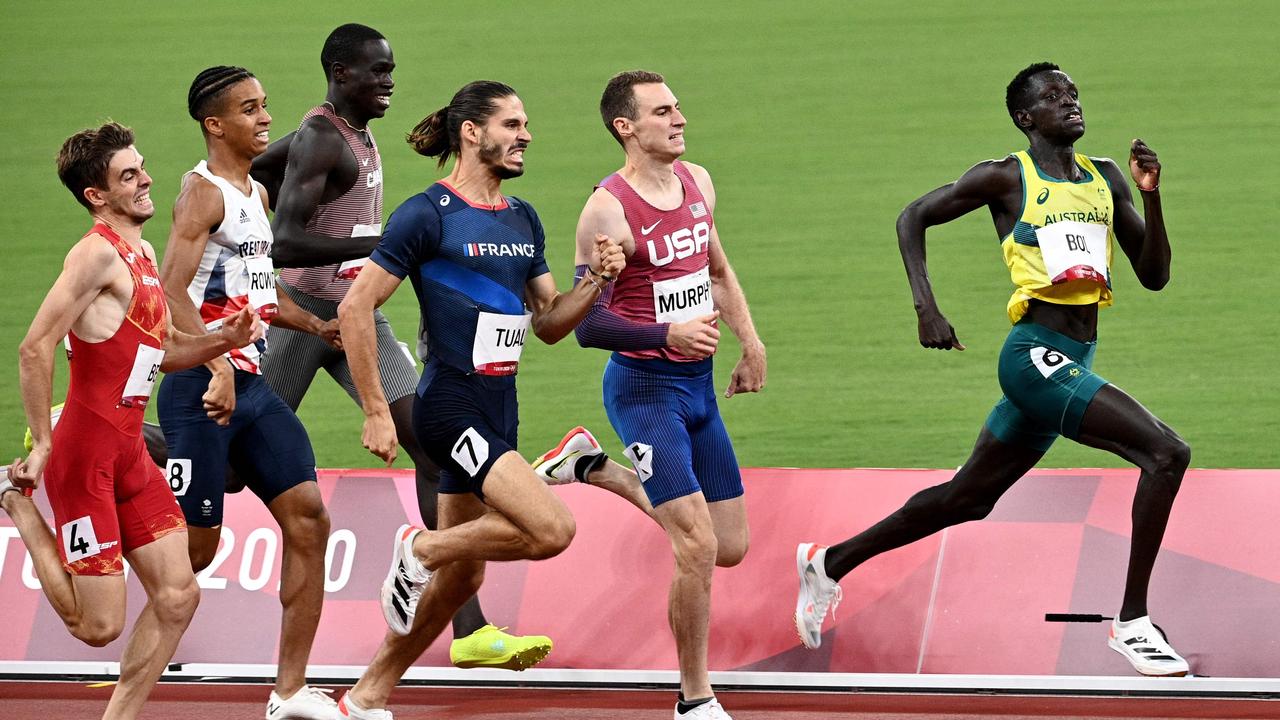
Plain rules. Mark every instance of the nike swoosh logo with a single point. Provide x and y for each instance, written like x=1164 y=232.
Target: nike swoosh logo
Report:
x=647 y=230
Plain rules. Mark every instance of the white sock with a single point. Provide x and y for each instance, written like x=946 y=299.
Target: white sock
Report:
x=1126 y=623
x=416 y=568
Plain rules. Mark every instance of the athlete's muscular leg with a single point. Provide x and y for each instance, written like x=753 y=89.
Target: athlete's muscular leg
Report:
x=450 y=587
x=202 y=545
x=469 y=617
x=92 y=607
x=687 y=522
x=991 y=469
x=623 y=482
x=172 y=596
x=304 y=523
x=531 y=522
x=1116 y=422
x=729 y=520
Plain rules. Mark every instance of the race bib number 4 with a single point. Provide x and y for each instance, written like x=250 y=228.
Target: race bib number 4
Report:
x=146 y=367
x=499 y=342
x=682 y=298
x=1074 y=251
x=262 y=287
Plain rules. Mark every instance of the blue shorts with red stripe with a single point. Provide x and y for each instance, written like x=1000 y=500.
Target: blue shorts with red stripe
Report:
x=666 y=414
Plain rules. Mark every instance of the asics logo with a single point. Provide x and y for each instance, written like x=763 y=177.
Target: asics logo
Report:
x=647 y=230
x=1042 y=197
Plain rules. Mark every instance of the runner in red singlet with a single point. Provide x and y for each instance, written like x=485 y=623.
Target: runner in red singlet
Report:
x=109 y=500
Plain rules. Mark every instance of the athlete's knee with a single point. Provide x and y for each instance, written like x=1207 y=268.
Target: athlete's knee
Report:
x=1173 y=456
x=941 y=503
x=696 y=548
x=552 y=536
x=201 y=555
x=175 y=605
x=731 y=551
x=307 y=527
x=97 y=630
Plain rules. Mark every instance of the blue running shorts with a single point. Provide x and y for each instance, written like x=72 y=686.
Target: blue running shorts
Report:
x=464 y=422
x=666 y=414
x=265 y=443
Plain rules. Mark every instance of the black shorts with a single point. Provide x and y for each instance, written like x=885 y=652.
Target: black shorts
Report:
x=464 y=422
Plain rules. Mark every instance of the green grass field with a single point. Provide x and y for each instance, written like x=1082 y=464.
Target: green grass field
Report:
x=819 y=121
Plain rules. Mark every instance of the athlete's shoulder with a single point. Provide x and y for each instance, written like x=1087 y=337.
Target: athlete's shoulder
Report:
x=149 y=251
x=999 y=174
x=1108 y=167
x=317 y=139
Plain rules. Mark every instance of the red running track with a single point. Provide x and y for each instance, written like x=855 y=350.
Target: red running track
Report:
x=75 y=701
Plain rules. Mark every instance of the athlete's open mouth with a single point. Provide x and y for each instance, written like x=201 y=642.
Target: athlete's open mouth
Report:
x=264 y=136
x=383 y=99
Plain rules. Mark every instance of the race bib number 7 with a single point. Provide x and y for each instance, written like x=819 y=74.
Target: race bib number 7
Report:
x=1074 y=251
x=146 y=367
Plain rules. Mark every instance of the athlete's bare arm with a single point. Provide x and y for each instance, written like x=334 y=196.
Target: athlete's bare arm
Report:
x=371 y=288
x=183 y=350
x=315 y=159
x=731 y=302
x=268 y=168
x=1143 y=240
x=556 y=314
x=197 y=212
x=604 y=215
x=995 y=184
x=90 y=274
x=295 y=318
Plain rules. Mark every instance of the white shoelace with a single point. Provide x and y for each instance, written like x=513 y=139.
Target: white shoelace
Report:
x=828 y=600
x=316 y=695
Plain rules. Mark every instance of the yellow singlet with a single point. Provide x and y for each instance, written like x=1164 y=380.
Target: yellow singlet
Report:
x=1060 y=248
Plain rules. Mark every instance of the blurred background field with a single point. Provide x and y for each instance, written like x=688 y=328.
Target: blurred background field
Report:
x=818 y=120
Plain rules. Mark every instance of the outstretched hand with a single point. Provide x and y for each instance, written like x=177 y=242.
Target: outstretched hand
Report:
x=1144 y=166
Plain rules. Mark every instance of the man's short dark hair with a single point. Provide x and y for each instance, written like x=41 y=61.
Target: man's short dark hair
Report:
x=344 y=44
x=1017 y=95
x=208 y=87
x=86 y=156
x=619 y=98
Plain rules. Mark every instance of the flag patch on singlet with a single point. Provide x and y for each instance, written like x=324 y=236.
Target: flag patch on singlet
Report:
x=698 y=209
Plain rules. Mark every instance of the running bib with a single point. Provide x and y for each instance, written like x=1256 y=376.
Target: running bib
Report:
x=682 y=298
x=146 y=366
x=499 y=342
x=262 y=287
x=1074 y=251
x=351 y=268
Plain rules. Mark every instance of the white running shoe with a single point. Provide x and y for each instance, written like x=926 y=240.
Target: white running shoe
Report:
x=404 y=584
x=347 y=709
x=1146 y=649
x=706 y=711
x=307 y=704
x=818 y=593
x=559 y=465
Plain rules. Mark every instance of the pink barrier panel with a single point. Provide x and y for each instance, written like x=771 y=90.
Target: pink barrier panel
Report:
x=970 y=600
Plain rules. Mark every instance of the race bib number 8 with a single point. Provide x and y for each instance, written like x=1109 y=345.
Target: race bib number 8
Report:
x=683 y=298
x=177 y=472
x=146 y=367
x=499 y=342
x=1074 y=251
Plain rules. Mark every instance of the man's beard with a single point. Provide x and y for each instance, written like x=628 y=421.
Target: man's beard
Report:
x=491 y=156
